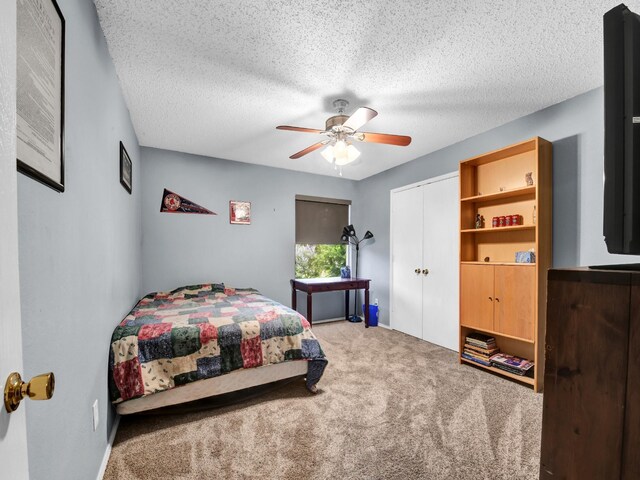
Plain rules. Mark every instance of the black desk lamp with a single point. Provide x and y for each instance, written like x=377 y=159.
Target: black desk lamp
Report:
x=349 y=236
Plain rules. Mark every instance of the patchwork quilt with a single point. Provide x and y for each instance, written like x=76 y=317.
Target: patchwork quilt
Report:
x=202 y=331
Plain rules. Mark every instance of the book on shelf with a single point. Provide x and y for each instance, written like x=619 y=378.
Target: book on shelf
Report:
x=481 y=340
x=485 y=358
x=515 y=371
x=511 y=363
x=484 y=351
x=476 y=360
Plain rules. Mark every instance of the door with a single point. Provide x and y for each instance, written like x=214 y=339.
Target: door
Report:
x=406 y=261
x=476 y=296
x=13 y=433
x=440 y=251
x=514 y=305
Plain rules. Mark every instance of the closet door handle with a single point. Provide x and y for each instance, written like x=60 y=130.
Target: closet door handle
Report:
x=497 y=299
x=417 y=270
x=491 y=299
x=425 y=271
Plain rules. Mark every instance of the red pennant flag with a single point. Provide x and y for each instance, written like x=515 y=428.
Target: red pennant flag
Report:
x=174 y=203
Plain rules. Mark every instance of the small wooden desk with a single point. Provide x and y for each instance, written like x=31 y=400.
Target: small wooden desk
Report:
x=313 y=285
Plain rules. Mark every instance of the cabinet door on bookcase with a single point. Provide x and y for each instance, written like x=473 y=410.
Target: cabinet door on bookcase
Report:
x=476 y=296
x=515 y=300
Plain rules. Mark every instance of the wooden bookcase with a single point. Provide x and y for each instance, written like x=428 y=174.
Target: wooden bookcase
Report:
x=498 y=296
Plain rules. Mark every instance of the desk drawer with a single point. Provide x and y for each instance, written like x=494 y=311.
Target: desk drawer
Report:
x=341 y=286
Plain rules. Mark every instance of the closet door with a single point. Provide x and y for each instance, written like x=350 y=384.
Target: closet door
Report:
x=406 y=248
x=440 y=263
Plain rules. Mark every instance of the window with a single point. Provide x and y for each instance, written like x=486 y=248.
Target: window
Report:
x=319 y=224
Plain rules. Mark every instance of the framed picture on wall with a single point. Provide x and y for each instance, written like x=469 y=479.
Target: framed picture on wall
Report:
x=125 y=169
x=40 y=92
x=240 y=212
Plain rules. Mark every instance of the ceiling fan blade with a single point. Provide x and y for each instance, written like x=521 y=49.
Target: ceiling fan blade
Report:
x=299 y=129
x=359 y=118
x=399 y=140
x=310 y=149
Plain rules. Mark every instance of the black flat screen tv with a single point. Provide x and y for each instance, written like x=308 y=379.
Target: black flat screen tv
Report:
x=622 y=131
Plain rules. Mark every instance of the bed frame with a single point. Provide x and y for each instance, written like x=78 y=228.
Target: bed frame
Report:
x=230 y=382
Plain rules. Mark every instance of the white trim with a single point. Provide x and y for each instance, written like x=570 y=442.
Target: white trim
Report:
x=329 y=320
x=107 y=453
x=384 y=326
x=439 y=178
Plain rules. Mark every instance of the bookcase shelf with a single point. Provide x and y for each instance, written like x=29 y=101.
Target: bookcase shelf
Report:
x=500 y=263
x=499 y=297
x=499 y=334
x=516 y=192
x=498 y=229
x=520 y=378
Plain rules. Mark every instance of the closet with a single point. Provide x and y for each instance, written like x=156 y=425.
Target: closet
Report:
x=424 y=260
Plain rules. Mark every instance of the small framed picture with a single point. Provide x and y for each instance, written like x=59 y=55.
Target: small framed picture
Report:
x=125 y=169
x=240 y=212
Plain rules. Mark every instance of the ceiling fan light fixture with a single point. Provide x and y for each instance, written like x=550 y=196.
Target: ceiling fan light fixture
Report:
x=347 y=156
x=340 y=149
x=342 y=153
x=327 y=154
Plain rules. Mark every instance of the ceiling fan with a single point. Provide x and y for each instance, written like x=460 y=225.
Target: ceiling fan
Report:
x=341 y=129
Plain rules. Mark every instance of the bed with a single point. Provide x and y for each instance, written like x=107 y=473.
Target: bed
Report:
x=204 y=340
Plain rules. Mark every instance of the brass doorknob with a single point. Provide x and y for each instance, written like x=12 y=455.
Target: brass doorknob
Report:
x=39 y=388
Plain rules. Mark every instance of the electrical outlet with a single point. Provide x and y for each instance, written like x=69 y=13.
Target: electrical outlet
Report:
x=96 y=418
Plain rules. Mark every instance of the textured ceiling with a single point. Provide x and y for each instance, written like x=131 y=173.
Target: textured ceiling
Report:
x=216 y=77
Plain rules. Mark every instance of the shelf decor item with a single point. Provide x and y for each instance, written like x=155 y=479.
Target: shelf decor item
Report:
x=349 y=237
x=525 y=257
x=528 y=178
x=502 y=282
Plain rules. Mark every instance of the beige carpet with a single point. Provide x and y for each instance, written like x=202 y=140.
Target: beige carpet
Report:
x=390 y=407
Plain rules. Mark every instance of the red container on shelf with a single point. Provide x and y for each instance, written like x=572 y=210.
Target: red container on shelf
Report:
x=502 y=221
x=507 y=221
x=494 y=222
x=516 y=220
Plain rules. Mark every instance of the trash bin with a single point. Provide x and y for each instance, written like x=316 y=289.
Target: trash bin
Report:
x=373 y=315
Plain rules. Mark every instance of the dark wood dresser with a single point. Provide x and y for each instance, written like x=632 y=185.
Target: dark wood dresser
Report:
x=591 y=413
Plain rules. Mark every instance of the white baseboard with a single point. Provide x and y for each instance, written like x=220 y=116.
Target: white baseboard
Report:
x=341 y=319
x=328 y=320
x=107 y=453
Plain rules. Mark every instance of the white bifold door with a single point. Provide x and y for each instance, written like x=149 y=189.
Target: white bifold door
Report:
x=424 y=260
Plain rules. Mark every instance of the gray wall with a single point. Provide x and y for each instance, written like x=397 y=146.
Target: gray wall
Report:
x=80 y=259
x=180 y=249
x=576 y=129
